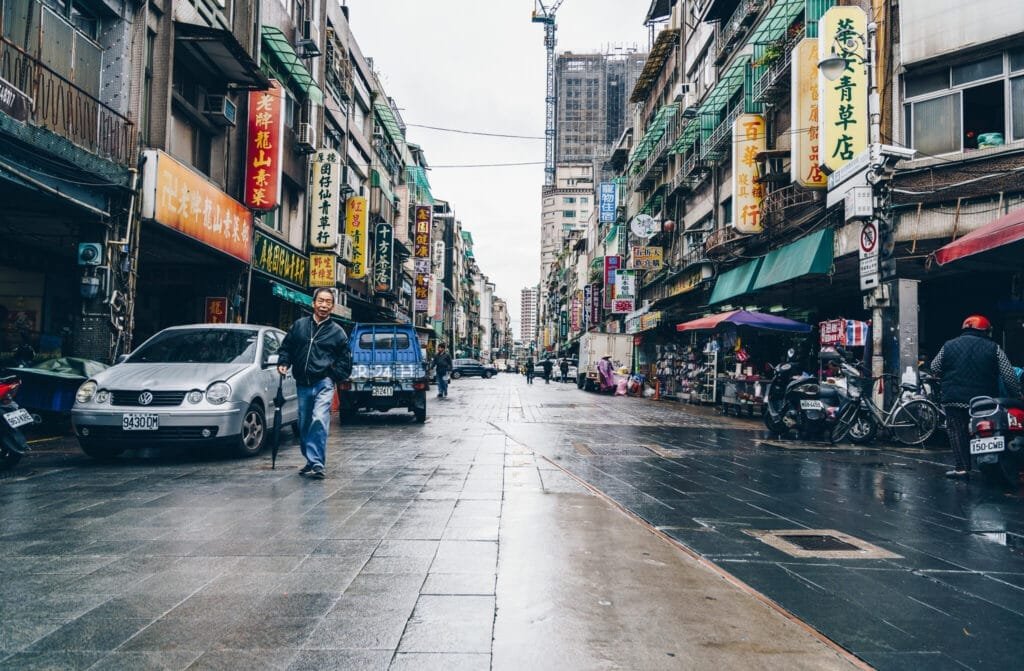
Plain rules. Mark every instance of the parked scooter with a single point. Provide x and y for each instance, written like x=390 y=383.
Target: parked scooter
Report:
x=798 y=401
x=997 y=438
x=12 y=441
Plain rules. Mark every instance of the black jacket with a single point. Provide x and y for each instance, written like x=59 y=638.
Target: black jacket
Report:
x=972 y=365
x=315 y=351
x=443 y=363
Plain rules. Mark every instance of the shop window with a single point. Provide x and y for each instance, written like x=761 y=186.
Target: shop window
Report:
x=727 y=212
x=1017 y=103
x=984 y=114
x=568 y=200
x=918 y=85
x=983 y=69
x=569 y=214
x=935 y=125
x=1017 y=60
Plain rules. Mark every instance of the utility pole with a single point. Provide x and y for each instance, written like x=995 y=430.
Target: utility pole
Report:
x=546 y=16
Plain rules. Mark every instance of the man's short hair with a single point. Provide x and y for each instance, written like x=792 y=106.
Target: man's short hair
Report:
x=320 y=290
x=440 y=345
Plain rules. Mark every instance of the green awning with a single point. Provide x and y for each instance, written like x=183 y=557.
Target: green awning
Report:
x=653 y=203
x=727 y=84
x=388 y=120
x=654 y=133
x=810 y=256
x=686 y=138
x=735 y=282
x=382 y=184
x=290 y=64
x=417 y=177
x=774 y=24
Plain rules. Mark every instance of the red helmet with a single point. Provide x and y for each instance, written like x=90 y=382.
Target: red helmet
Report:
x=977 y=322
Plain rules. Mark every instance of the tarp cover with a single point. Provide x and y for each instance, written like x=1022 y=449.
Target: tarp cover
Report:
x=996 y=237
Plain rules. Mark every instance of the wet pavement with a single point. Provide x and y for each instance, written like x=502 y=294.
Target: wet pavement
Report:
x=504 y=533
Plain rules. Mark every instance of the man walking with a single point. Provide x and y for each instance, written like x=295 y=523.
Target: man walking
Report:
x=317 y=351
x=563 y=367
x=970 y=365
x=442 y=368
x=547 y=364
x=529 y=371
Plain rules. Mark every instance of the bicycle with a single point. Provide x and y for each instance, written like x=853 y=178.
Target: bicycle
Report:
x=911 y=420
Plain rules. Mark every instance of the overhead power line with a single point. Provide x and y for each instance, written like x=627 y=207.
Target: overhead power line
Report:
x=485 y=165
x=477 y=132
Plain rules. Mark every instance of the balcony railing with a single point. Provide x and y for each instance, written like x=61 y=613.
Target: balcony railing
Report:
x=775 y=78
x=735 y=26
x=790 y=207
x=66 y=110
x=714 y=148
x=690 y=174
x=721 y=241
x=655 y=163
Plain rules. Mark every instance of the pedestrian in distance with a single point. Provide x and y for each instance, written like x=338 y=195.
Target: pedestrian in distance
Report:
x=563 y=366
x=317 y=351
x=606 y=374
x=547 y=365
x=529 y=371
x=442 y=369
x=970 y=365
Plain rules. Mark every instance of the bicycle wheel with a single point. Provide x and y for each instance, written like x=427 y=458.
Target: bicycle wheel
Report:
x=915 y=421
x=844 y=422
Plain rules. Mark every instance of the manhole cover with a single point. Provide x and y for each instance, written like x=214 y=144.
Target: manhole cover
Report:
x=818 y=543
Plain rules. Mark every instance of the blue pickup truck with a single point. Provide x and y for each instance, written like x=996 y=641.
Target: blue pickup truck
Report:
x=387 y=371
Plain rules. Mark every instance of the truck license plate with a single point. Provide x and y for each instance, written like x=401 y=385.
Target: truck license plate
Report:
x=986 y=445
x=18 y=418
x=382 y=390
x=140 y=421
x=812 y=405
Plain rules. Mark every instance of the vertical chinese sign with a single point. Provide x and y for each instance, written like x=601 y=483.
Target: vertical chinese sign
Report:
x=384 y=257
x=355 y=228
x=576 y=312
x=608 y=201
x=587 y=300
x=216 y=310
x=611 y=264
x=322 y=270
x=421 y=257
x=844 y=102
x=325 y=202
x=747 y=192
x=263 y=148
x=805 y=168
x=624 y=301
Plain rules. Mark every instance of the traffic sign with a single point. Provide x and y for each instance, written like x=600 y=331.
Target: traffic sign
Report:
x=868 y=256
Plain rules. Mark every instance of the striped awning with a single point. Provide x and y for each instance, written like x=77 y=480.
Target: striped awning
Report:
x=654 y=133
x=290 y=65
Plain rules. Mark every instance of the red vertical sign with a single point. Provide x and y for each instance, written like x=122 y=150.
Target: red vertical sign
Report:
x=263 y=148
x=611 y=264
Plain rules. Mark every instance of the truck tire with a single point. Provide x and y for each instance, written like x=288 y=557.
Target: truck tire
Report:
x=580 y=381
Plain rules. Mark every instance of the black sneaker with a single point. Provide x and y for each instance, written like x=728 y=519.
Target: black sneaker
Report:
x=318 y=474
x=306 y=470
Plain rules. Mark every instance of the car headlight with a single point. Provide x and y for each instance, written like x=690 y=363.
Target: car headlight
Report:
x=195 y=396
x=86 y=392
x=103 y=396
x=218 y=392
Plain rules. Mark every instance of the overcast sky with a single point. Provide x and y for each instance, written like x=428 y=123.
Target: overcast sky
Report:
x=478 y=65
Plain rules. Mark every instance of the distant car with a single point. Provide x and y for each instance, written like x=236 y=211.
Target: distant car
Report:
x=470 y=367
x=202 y=383
x=573 y=370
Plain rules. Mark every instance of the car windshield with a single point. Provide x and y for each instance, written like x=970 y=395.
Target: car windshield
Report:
x=199 y=346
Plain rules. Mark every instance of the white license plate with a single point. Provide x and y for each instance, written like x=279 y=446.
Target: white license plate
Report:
x=986 y=445
x=140 y=421
x=18 y=418
x=812 y=405
x=383 y=391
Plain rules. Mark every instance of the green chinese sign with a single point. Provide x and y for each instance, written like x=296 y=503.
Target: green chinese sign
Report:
x=280 y=261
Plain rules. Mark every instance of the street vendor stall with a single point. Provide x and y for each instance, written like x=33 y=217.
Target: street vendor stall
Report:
x=738 y=345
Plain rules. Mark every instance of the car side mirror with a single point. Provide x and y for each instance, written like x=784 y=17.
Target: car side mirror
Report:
x=121 y=358
x=271 y=360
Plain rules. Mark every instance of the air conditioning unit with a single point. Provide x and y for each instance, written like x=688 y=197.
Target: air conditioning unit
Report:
x=306 y=45
x=682 y=89
x=346 y=249
x=220 y=110
x=689 y=112
x=305 y=138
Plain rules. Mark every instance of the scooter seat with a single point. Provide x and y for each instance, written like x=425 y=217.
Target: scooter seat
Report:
x=1011 y=403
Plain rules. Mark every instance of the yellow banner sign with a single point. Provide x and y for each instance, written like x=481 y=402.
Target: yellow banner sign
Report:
x=646 y=258
x=805 y=167
x=323 y=270
x=747 y=193
x=355 y=228
x=844 y=102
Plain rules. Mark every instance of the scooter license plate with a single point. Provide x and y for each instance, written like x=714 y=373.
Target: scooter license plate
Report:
x=140 y=421
x=812 y=405
x=18 y=418
x=986 y=445
x=383 y=390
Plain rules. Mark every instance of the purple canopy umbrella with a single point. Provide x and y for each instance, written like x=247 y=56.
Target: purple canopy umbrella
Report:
x=757 y=320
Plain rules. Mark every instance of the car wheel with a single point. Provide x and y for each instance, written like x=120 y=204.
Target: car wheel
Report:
x=254 y=432
x=486 y=374
x=456 y=375
x=99 y=452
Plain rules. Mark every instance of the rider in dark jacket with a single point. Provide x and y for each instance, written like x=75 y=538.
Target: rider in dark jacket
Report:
x=970 y=365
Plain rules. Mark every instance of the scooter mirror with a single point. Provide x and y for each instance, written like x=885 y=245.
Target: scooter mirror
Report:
x=791 y=353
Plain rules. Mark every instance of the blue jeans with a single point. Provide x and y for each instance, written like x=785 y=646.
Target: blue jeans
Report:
x=315 y=420
x=442 y=383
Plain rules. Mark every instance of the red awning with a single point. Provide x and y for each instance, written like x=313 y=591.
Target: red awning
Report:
x=995 y=237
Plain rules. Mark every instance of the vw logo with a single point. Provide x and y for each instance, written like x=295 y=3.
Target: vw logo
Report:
x=145 y=398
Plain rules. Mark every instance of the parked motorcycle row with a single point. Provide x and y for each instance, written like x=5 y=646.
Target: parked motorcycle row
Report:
x=12 y=418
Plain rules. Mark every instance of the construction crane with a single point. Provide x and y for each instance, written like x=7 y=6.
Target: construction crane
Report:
x=546 y=15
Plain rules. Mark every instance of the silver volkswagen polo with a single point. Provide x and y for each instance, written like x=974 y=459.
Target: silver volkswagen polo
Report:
x=201 y=383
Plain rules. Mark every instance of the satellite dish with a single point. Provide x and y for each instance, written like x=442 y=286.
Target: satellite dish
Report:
x=643 y=226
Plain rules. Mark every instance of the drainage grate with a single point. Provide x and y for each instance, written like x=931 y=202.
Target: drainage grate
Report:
x=819 y=543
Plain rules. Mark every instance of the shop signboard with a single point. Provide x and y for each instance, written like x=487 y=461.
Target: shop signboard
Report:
x=438 y=260
x=280 y=261
x=176 y=196
x=421 y=256
x=833 y=332
x=611 y=264
x=844 y=102
x=624 y=301
x=383 y=264
x=574 y=313
x=263 y=148
x=748 y=141
x=563 y=325
x=596 y=303
x=689 y=281
x=805 y=168
x=323 y=270
x=325 y=201
x=438 y=299
x=356 y=229
x=216 y=309
x=13 y=102
x=608 y=202
x=587 y=300
x=646 y=258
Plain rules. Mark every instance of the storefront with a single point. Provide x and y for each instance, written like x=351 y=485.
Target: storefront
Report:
x=280 y=274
